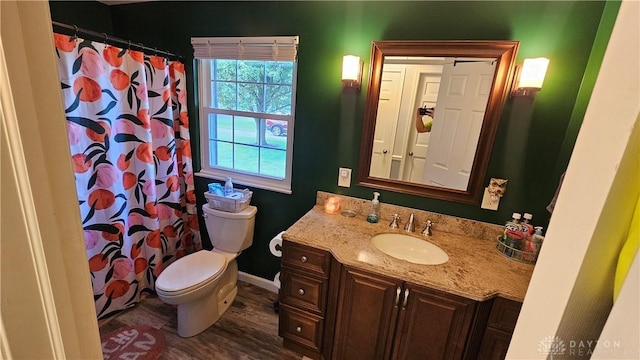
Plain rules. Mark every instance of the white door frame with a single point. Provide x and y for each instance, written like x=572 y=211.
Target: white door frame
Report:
x=570 y=294
x=47 y=309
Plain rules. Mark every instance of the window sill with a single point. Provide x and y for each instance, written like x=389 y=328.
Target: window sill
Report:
x=240 y=180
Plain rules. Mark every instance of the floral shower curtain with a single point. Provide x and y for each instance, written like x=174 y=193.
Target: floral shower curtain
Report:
x=128 y=132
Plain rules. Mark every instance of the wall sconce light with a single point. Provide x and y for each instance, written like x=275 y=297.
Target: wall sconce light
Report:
x=351 y=72
x=529 y=78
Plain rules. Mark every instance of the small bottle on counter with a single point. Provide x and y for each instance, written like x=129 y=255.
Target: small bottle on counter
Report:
x=375 y=209
x=537 y=230
x=526 y=226
x=514 y=244
x=512 y=225
x=538 y=238
x=533 y=246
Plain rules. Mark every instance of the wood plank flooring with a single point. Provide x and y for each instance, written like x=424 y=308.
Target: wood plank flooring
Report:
x=248 y=330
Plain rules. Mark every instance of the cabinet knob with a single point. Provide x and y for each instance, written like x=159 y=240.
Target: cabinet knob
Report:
x=301 y=291
x=299 y=329
x=398 y=295
x=303 y=259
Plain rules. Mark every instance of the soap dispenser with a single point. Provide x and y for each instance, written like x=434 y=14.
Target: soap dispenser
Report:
x=375 y=208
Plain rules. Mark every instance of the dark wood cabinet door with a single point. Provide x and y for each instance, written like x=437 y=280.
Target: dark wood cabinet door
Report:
x=432 y=325
x=500 y=326
x=504 y=314
x=494 y=344
x=366 y=315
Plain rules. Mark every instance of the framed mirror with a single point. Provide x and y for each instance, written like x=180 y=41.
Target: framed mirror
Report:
x=431 y=116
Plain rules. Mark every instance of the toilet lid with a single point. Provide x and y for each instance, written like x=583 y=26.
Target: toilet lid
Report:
x=190 y=271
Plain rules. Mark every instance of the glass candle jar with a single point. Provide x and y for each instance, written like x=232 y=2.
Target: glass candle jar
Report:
x=332 y=205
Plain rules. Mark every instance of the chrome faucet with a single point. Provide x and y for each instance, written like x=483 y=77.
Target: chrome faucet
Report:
x=394 y=221
x=427 y=228
x=410 y=226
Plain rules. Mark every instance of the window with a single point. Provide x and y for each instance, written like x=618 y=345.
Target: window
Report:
x=247 y=106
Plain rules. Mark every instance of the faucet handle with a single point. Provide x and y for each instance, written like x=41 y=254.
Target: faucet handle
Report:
x=394 y=221
x=427 y=228
x=410 y=225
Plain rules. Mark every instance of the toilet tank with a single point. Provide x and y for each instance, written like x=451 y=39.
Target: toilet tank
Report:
x=230 y=232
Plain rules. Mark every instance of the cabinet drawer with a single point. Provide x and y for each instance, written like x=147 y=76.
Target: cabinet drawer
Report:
x=305 y=257
x=504 y=314
x=303 y=291
x=300 y=327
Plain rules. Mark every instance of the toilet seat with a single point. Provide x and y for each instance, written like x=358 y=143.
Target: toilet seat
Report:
x=190 y=272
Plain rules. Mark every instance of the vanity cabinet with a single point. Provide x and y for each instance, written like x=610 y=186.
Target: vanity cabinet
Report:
x=304 y=279
x=329 y=310
x=500 y=326
x=379 y=317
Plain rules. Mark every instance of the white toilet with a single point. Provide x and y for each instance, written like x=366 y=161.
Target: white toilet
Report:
x=203 y=284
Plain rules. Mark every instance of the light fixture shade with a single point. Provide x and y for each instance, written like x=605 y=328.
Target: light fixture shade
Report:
x=351 y=71
x=533 y=72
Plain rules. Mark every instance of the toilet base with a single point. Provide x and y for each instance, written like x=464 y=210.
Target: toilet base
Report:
x=198 y=315
x=194 y=319
x=224 y=304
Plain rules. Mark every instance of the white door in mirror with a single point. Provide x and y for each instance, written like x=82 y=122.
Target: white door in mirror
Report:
x=386 y=121
x=462 y=100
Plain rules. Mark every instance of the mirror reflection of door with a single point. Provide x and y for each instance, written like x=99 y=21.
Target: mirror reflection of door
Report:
x=418 y=144
x=444 y=156
x=398 y=150
x=462 y=101
x=387 y=120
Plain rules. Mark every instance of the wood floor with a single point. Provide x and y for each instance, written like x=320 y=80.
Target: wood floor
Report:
x=248 y=329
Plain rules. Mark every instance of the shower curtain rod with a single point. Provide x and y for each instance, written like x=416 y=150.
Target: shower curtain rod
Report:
x=114 y=40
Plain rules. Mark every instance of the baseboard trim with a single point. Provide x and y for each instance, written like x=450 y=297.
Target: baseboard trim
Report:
x=258 y=281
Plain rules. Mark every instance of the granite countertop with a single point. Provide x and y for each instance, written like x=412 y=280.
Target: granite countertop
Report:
x=475 y=270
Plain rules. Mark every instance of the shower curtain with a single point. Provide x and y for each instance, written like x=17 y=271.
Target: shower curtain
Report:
x=128 y=132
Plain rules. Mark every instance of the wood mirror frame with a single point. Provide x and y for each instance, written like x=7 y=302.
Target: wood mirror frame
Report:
x=505 y=54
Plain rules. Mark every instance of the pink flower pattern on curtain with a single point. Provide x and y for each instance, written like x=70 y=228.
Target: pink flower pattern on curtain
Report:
x=128 y=133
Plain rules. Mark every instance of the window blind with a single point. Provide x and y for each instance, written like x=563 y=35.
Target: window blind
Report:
x=279 y=48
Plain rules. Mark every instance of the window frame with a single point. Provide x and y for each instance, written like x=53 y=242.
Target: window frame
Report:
x=250 y=179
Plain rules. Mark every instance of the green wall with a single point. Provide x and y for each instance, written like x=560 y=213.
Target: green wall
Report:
x=90 y=15
x=532 y=135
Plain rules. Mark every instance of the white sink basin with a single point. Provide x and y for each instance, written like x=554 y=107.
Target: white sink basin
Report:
x=410 y=249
